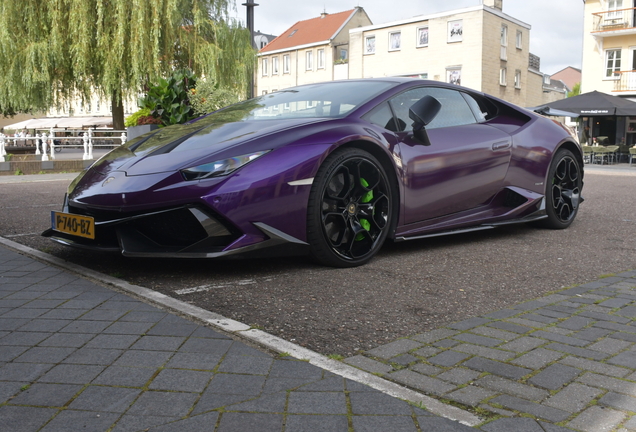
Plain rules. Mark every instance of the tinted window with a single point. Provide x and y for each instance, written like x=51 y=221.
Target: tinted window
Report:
x=383 y=116
x=455 y=110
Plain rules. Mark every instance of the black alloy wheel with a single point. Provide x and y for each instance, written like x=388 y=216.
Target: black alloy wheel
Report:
x=349 y=211
x=563 y=191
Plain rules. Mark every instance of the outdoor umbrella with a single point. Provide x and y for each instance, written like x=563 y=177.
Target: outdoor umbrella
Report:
x=593 y=104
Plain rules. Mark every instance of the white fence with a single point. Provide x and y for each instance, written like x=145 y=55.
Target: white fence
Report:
x=88 y=139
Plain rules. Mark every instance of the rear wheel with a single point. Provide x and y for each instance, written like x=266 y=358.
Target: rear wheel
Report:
x=349 y=212
x=563 y=190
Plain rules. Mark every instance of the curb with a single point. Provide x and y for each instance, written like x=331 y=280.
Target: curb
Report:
x=258 y=337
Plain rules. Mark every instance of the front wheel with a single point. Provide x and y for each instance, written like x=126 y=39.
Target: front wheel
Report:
x=563 y=190
x=349 y=211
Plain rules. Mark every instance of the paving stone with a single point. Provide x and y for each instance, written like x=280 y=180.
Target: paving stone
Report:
x=156 y=403
x=434 y=424
x=555 y=376
x=631 y=423
x=155 y=343
x=469 y=323
x=427 y=351
x=581 y=352
x=27 y=372
x=478 y=340
x=246 y=365
x=143 y=358
x=502 y=314
x=537 y=358
x=610 y=346
x=597 y=419
x=532 y=408
x=575 y=323
x=615 y=303
x=529 y=305
x=181 y=380
x=125 y=376
x=594 y=366
x=512 y=388
x=195 y=423
x=613 y=384
x=24 y=338
x=448 y=358
x=618 y=401
x=554 y=298
x=237 y=384
x=404 y=359
x=470 y=395
x=539 y=318
x=434 y=335
x=84 y=326
x=394 y=348
x=604 y=316
x=560 y=338
x=50 y=395
x=200 y=345
x=377 y=403
x=629 y=337
x=551 y=313
x=523 y=344
x=368 y=364
x=501 y=369
x=295 y=369
x=446 y=343
x=317 y=403
x=565 y=308
x=573 y=398
x=513 y=424
x=421 y=382
x=459 y=375
x=171 y=329
x=80 y=420
x=377 y=423
x=93 y=356
x=629 y=311
x=495 y=333
x=527 y=323
x=491 y=353
x=112 y=341
x=8 y=353
x=44 y=355
x=105 y=399
x=323 y=423
x=510 y=327
x=270 y=403
x=199 y=361
x=615 y=326
x=426 y=369
x=558 y=330
x=627 y=359
x=591 y=334
x=231 y=422
x=128 y=328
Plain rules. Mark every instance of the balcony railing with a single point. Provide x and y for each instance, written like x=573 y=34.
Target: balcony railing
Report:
x=614 y=20
x=626 y=81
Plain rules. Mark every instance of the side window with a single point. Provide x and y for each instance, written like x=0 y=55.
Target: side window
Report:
x=383 y=117
x=455 y=110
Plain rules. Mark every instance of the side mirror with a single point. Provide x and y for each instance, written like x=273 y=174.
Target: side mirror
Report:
x=422 y=113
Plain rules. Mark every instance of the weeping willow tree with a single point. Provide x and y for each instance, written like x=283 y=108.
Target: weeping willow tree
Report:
x=54 y=51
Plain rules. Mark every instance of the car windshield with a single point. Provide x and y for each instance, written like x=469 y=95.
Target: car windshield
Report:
x=334 y=99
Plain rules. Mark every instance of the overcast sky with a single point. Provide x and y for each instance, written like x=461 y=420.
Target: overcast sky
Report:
x=556 y=35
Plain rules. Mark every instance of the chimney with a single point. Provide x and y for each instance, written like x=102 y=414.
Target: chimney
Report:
x=497 y=4
x=324 y=14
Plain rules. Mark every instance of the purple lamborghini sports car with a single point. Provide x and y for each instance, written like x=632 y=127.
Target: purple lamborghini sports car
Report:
x=331 y=170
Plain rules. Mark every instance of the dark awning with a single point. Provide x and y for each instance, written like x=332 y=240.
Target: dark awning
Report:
x=595 y=104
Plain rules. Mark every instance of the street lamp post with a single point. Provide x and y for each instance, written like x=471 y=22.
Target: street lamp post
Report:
x=250 y=25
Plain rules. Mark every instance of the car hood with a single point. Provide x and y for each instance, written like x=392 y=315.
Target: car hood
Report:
x=202 y=141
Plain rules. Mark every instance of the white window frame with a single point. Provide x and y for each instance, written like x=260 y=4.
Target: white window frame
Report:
x=519 y=40
x=614 y=68
x=369 y=48
x=321 y=59
x=418 y=34
x=613 y=8
x=275 y=65
x=286 y=64
x=517 y=79
x=309 y=60
x=395 y=40
x=503 y=72
x=264 y=64
x=504 y=42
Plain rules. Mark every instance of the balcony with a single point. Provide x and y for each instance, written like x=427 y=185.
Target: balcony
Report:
x=614 y=22
x=626 y=82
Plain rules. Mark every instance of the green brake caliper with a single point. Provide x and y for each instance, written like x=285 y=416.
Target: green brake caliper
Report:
x=367 y=197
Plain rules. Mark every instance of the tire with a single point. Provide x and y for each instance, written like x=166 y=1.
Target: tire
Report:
x=349 y=211
x=563 y=191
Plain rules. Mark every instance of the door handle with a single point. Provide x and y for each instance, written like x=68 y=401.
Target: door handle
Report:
x=501 y=145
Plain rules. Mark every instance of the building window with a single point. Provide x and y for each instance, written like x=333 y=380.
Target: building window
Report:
x=455 y=31
x=321 y=59
x=422 y=37
x=614 y=6
x=518 y=79
x=286 y=63
x=264 y=66
x=504 y=42
x=546 y=79
x=613 y=63
x=519 y=40
x=395 y=41
x=344 y=54
x=309 y=60
x=502 y=76
x=369 y=45
x=275 y=65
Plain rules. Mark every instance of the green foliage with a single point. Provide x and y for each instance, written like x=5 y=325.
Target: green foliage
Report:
x=209 y=97
x=52 y=51
x=132 y=119
x=576 y=90
x=169 y=100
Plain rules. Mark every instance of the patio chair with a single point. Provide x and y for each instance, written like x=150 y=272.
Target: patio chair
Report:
x=632 y=155
x=588 y=154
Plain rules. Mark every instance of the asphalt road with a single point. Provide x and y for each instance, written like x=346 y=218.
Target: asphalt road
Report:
x=407 y=289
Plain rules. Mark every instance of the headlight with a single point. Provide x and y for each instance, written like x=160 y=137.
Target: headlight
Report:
x=220 y=168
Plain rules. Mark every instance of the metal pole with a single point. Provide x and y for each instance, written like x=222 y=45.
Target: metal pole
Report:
x=250 y=25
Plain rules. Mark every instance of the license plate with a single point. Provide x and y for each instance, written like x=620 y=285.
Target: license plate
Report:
x=81 y=226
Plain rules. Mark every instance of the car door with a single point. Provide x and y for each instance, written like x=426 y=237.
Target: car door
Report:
x=465 y=164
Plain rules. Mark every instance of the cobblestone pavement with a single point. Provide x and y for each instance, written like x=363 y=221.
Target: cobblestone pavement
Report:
x=78 y=355
x=568 y=358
